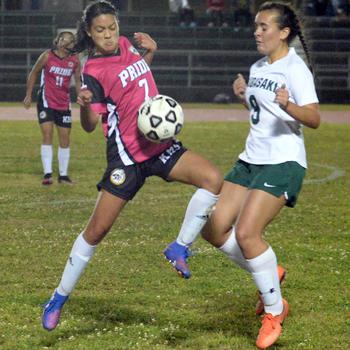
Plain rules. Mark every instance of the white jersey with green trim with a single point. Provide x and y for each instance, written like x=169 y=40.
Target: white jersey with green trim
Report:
x=275 y=137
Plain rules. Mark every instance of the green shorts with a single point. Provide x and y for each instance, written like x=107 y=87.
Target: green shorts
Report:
x=278 y=179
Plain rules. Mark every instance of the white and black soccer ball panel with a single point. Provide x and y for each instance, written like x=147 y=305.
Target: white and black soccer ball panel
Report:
x=160 y=118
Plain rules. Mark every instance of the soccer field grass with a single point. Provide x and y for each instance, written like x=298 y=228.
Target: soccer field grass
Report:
x=129 y=296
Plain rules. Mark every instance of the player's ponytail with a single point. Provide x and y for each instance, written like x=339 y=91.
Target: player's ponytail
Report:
x=94 y=9
x=287 y=17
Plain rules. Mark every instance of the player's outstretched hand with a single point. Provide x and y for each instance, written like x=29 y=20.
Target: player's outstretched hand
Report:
x=27 y=102
x=84 y=97
x=239 y=86
x=144 y=41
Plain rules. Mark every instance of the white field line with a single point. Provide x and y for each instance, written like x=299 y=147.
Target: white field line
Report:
x=334 y=174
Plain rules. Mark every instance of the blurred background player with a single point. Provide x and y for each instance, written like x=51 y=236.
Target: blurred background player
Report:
x=57 y=66
x=242 y=15
x=216 y=12
x=116 y=81
x=185 y=13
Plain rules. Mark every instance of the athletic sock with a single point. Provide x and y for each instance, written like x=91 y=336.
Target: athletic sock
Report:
x=79 y=257
x=63 y=160
x=197 y=214
x=233 y=250
x=46 y=158
x=265 y=275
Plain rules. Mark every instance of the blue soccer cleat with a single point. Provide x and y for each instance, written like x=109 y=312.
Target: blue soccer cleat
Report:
x=52 y=311
x=177 y=255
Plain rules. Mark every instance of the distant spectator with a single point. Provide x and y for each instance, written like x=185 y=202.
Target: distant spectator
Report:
x=13 y=4
x=35 y=5
x=183 y=9
x=242 y=15
x=327 y=8
x=316 y=7
x=216 y=13
x=338 y=8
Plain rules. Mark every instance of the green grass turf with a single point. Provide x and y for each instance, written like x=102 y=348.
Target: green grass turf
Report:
x=129 y=297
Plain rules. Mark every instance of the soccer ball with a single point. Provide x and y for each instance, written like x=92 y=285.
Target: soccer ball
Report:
x=160 y=118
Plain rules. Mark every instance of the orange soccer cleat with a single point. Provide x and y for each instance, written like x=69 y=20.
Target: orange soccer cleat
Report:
x=271 y=328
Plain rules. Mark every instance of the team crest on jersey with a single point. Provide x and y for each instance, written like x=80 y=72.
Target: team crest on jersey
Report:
x=134 y=51
x=118 y=177
x=70 y=64
x=42 y=115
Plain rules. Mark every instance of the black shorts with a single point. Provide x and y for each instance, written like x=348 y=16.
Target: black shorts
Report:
x=126 y=181
x=60 y=118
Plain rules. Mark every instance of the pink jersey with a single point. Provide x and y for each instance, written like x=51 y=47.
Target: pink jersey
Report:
x=55 y=81
x=120 y=83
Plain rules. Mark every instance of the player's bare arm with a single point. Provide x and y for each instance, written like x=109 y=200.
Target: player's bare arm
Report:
x=38 y=66
x=308 y=115
x=88 y=118
x=144 y=41
x=77 y=79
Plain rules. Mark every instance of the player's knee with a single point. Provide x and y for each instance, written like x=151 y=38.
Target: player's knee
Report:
x=95 y=233
x=216 y=239
x=216 y=235
x=213 y=181
x=245 y=236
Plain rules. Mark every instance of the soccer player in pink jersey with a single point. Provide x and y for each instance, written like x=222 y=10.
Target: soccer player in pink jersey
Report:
x=57 y=66
x=116 y=81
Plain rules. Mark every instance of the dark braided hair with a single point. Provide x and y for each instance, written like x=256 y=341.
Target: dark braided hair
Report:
x=94 y=9
x=287 y=17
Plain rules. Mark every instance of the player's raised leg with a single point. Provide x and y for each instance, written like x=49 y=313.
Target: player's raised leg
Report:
x=193 y=169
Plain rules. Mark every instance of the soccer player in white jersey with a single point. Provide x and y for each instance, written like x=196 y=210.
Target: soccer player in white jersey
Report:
x=268 y=175
x=281 y=97
x=116 y=81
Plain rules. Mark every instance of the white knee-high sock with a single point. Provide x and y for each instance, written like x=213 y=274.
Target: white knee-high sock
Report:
x=197 y=214
x=46 y=158
x=265 y=274
x=233 y=250
x=63 y=160
x=79 y=257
